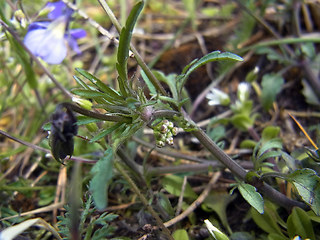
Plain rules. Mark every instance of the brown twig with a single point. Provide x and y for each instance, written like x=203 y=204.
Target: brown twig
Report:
x=196 y=203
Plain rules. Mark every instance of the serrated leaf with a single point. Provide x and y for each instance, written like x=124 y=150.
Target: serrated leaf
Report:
x=271 y=86
x=173 y=185
x=250 y=194
x=299 y=223
x=307 y=183
x=106 y=132
x=102 y=173
x=101 y=86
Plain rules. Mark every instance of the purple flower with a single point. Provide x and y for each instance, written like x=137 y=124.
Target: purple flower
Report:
x=47 y=40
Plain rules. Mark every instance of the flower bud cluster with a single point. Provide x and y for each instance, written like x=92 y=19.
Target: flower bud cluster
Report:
x=164 y=133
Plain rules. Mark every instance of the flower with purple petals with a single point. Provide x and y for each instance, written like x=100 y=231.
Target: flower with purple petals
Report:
x=47 y=40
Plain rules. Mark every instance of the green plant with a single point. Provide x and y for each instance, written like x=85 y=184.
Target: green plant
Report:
x=113 y=115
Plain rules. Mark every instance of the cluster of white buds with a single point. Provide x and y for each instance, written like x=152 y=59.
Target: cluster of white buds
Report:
x=164 y=133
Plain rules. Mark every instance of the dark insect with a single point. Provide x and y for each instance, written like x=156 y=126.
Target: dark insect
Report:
x=63 y=129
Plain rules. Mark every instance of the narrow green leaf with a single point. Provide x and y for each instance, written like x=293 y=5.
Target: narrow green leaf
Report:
x=269 y=154
x=83 y=120
x=307 y=183
x=150 y=86
x=250 y=194
x=299 y=223
x=101 y=86
x=81 y=83
x=106 y=132
x=273 y=143
x=125 y=39
x=102 y=174
x=88 y=93
x=213 y=56
x=99 y=97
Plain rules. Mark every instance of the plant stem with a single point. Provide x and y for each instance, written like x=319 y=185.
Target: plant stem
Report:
x=104 y=117
x=241 y=173
x=143 y=200
x=234 y=167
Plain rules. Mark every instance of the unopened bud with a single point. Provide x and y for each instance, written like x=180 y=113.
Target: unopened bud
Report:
x=163 y=128
x=166 y=122
x=84 y=103
x=169 y=141
x=174 y=131
x=160 y=144
x=170 y=125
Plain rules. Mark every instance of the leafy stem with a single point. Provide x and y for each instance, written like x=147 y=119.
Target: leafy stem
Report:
x=137 y=56
x=104 y=117
x=241 y=173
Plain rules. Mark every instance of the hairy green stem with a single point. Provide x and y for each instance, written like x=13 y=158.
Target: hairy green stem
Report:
x=217 y=152
x=104 y=117
x=143 y=200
